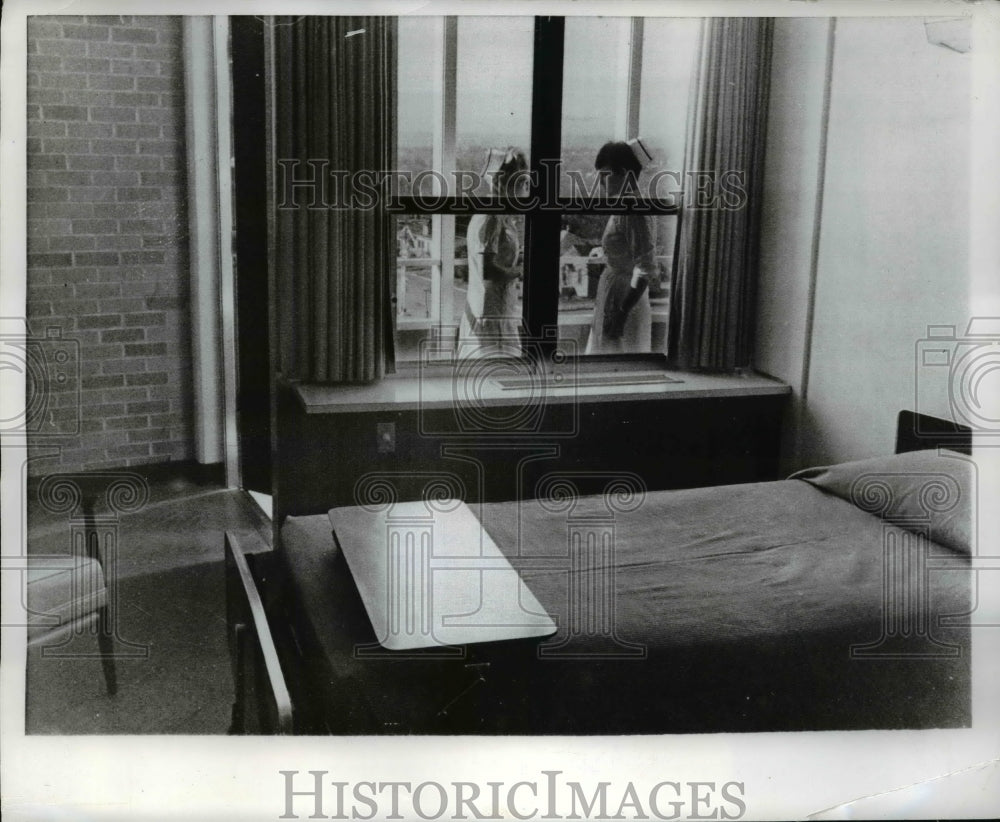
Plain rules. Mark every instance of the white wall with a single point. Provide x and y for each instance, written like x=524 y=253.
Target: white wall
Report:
x=790 y=215
x=890 y=234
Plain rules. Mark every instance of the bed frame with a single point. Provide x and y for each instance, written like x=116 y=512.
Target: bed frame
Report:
x=919 y=432
x=292 y=634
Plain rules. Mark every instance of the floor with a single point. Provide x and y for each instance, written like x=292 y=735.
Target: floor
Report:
x=172 y=659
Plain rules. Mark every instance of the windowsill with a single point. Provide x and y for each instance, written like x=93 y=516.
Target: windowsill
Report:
x=436 y=385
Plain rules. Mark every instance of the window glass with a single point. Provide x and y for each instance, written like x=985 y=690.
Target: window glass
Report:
x=416 y=270
x=595 y=92
x=669 y=48
x=418 y=94
x=584 y=262
x=493 y=94
x=432 y=298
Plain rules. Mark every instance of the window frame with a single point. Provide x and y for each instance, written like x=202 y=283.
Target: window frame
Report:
x=544 y=206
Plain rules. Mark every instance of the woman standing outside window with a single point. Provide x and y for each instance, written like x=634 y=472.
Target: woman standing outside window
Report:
x=492 y=318
x=622 y=315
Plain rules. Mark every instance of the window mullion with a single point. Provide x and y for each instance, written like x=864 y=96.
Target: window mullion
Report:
x=443 y=162
x=541 y=295
x=634 y=79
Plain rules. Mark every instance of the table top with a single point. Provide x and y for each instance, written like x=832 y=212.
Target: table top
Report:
x=430 y=575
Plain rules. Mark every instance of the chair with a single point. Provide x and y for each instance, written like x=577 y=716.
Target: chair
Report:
x=262 y=704
x=67 y=596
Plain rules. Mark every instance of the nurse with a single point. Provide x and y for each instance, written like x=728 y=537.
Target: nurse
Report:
x=492 y=317
x=622 y=315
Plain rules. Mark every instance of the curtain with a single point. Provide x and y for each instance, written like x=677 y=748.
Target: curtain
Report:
x=713 y=293
x=334 y=96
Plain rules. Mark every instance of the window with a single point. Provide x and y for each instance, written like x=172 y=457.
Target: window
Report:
x=556 y=88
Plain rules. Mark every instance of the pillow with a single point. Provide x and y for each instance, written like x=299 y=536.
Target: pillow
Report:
x=923 y=491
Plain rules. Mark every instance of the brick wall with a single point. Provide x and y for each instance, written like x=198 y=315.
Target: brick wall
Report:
x=107 y=234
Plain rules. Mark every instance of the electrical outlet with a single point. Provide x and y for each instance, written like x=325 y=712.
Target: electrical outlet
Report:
x=385 y=432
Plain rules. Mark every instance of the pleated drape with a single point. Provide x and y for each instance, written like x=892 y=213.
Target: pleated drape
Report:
x=334 y=81
x=714 y=288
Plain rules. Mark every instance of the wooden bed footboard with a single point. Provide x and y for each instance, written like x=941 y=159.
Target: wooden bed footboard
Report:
x=919 y=432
